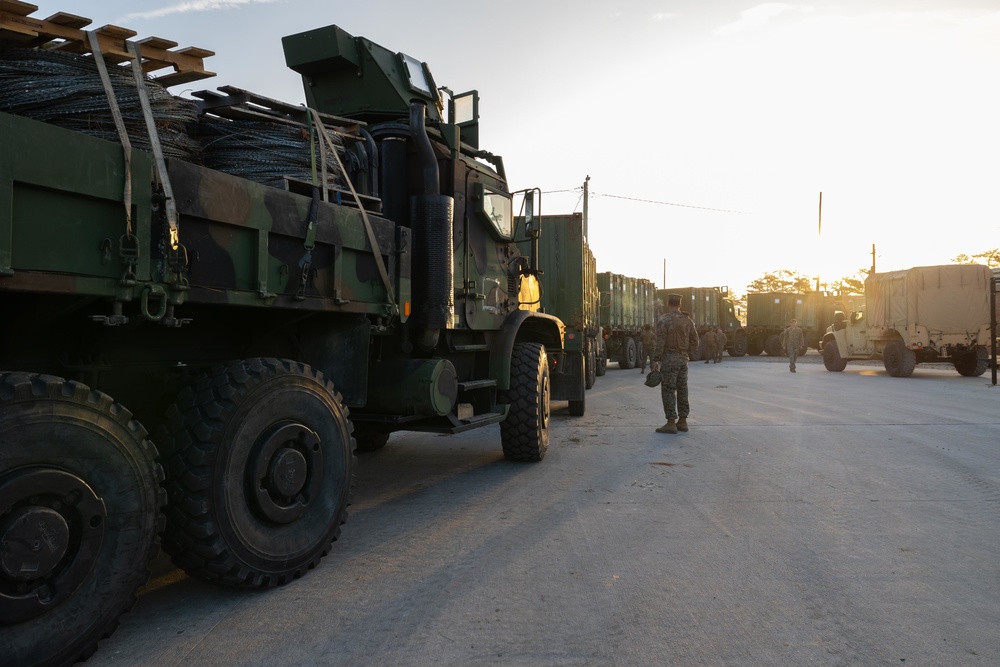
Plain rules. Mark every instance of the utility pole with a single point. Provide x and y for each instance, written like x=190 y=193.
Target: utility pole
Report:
x=873 y=261
x=586 y=196
x=819 y=230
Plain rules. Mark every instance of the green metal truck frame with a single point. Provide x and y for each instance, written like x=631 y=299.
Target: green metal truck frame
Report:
x=203 y=358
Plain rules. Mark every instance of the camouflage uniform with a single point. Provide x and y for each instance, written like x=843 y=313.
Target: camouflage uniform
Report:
x=708 y=347
x=720 y=345
x=675 y=337
x=648 y=340
x=792 y=339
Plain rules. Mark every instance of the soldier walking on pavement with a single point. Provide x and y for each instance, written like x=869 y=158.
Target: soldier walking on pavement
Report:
x=708 y=348
x=675 y=337
x=792 y=339
x=720 y=344
x=647 y=341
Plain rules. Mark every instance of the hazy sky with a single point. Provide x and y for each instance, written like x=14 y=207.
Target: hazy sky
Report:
x=891 y=108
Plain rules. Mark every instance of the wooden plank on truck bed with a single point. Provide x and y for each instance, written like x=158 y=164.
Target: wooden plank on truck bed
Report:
x=239 y=104
x=63 y=32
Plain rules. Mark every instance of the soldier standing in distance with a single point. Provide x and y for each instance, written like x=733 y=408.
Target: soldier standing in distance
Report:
x=647 y=340
x=708 y=348
x=791 y=340
x=675 y=336
x=720 y=344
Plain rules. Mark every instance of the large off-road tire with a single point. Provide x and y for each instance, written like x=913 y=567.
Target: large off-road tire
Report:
x=602 y=361
x=831 y=357
x=578 y=408
x=260 y=472
x=899 y=360
x=524 y=434
x=629 y=353
x=80 y=502
x=369 y=441
x=739 y=347
x=591 y=371
x=974 y=363
x=772 y=346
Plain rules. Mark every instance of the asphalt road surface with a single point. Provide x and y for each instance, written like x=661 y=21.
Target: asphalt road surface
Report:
x=810 y=519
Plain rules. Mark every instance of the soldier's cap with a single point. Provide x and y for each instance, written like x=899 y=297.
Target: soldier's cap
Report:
x=674 y=299
x=653 y=379
x=793 y=321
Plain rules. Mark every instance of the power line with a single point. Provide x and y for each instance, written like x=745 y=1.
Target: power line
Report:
x=646 y=201
x=667 y=203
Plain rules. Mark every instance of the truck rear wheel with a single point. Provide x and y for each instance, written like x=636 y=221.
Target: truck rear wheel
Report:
x=591 y=371
x=80 y=501
x=601 y=367
x=899 y=360
x=630 y=354
x=578 y=408
x=369 y=441
x=739 y=347
x=973 y=363
x=524 y=434
x=260 y=472
x=772 y=346
x=831 y=357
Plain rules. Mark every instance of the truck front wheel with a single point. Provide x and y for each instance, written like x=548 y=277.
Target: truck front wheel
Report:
x=524 y=434
x=739 y=347
x=899 y=360
x=260 y=472
x=831 y=357
x=80 y=501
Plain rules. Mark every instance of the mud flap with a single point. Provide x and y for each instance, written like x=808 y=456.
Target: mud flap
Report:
x=567 y=377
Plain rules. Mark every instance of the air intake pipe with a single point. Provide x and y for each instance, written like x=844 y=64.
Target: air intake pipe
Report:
x=432 y=220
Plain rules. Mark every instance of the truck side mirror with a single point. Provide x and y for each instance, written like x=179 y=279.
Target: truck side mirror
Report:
x=530 y=222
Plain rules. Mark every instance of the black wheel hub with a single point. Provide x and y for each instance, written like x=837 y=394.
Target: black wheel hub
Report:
x=284 y=473
x=51 y=531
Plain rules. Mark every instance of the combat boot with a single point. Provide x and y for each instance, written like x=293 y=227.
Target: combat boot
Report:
x=669 y=427
x=682 y=424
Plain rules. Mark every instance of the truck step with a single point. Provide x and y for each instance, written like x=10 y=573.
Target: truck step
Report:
x=472 y=347
x=472 y=385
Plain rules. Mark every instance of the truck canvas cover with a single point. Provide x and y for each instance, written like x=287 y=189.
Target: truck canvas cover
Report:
x=952 y=298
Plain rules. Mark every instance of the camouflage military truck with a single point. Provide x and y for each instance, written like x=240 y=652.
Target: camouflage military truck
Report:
x=768 y=313
x=711 y=307
x=920 y=315
x=626 y=305
x=569 y=272
x=195 y=352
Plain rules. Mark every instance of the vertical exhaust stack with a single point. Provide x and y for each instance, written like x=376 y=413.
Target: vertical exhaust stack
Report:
x=432 y=220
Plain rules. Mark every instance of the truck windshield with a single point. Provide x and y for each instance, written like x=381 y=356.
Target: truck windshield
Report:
x=497 y=209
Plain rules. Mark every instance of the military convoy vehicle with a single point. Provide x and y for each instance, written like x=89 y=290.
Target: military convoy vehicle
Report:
x=709 y=308
x=259 y=331
x=569 y=274
x=921 y=315
x=768 y=313
x=627 y=304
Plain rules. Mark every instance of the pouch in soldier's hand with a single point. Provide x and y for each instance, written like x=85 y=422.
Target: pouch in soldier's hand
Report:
x=653 y=379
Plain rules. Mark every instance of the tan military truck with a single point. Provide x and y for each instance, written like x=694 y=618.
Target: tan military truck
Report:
x=920 y=315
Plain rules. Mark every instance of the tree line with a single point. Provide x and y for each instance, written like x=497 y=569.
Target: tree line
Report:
x=786 y=281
